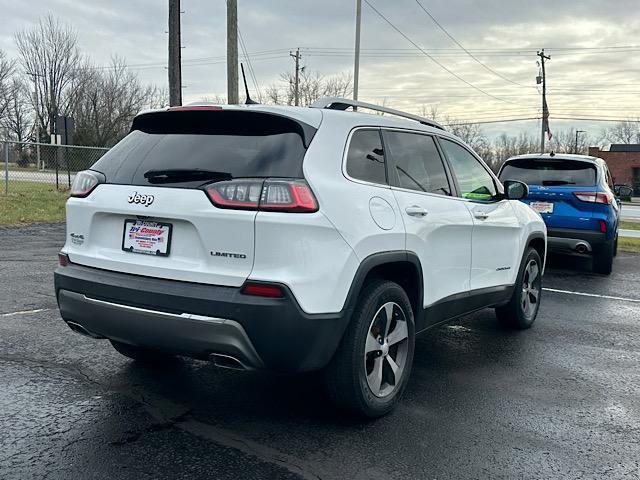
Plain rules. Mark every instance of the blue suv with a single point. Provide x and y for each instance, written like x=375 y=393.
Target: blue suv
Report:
x=575 y=196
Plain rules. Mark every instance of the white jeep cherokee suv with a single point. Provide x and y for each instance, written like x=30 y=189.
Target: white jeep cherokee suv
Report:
x=294 y=239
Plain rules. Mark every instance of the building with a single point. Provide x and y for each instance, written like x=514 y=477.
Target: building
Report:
x=624 y=163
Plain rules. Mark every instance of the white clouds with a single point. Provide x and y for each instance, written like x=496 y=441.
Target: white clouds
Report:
x=135 y=29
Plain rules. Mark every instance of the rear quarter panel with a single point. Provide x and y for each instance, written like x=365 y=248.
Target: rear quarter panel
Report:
x=532 y=226
x=346 y=203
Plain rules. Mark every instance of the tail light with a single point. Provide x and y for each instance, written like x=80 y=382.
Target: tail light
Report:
x=238 y=194
x=63 y=259
x=262 y=290
x=288 y=196
x=278 y=195
x=595 y=197
x=603 y=226
x=85 y=182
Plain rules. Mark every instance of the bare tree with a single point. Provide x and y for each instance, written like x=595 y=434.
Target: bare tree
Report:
x=6 y=71
x=160 y=98
x=17 y=119
x=312 y=86
x=104 y=101
x=564 y=141
x=623 y=132
x=338 y=86
x=217 y=99
x=49 y=54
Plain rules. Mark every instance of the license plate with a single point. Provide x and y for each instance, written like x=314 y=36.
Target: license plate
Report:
x=542 y=207
x=149 y=238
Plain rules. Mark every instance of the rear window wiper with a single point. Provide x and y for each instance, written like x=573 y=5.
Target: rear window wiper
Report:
x=177 y=175
x=557 y=182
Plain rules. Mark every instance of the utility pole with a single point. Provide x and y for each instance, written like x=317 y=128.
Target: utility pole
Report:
x=356 y=61
x=232 y=52
x=296 y=86
x=575 y=150
x=175 y=54
x=545 y=109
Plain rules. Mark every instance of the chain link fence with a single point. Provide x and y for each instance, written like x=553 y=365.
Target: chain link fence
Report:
x=28 y=168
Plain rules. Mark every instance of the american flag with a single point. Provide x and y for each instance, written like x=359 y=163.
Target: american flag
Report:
x=545 y=119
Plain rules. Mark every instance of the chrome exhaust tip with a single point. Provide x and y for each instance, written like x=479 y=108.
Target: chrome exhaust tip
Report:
x=582 y=248
x=76 y=327
x=227 y=361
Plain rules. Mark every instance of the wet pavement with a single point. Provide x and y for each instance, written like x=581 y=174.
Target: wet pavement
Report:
x=561 y=400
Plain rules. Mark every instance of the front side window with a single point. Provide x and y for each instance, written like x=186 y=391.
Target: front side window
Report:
x=417 y=162
x=473 y=179
x=365 y=159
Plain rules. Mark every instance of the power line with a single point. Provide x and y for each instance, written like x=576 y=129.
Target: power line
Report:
x=484 y=122
x=431 y=58
x=251 y=71
x=488 y=49
x=508 y=120
x=449 y=52
x=485 y=66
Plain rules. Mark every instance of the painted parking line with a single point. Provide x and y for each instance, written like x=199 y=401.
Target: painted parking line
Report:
x=583 y=294
x=24 y=312
x=629 y=233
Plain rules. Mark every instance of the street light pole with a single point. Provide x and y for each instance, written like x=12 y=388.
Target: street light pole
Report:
x=356 y=62
x=575 y=150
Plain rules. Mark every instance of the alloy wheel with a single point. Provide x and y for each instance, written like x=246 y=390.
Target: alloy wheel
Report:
x=530 y=289
x=386 y=348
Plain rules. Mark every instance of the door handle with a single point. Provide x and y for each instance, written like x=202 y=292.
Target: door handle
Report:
x=481 y=215
x=416 y=211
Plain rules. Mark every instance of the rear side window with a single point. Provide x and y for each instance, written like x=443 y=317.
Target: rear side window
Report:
x=236 y=144
x=609 y=179
x=549 y=172
x=365 y=158
x=417 y=162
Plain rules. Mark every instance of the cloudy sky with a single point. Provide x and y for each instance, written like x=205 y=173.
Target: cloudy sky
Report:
x=594 y=71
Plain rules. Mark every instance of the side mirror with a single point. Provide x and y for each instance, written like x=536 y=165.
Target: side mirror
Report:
x=623 y=191
x=515 y=190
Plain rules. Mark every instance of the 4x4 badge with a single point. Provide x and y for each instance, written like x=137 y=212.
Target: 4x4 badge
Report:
x=145 y=200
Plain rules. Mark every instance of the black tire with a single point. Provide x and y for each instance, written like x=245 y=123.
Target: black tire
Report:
x=603 y=258
x=615 y=246
x=518 y=313
x=346 y=376
x=140 y=354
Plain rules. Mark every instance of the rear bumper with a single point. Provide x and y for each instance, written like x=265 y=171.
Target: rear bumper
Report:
x=566 y=240
x=197 y=320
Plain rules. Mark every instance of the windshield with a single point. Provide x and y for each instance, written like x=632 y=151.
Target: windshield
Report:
x=550 y=172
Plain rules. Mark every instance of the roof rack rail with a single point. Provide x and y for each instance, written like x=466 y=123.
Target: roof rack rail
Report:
x=337 y=103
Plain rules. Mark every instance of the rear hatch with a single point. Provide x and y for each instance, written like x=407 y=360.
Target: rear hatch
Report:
x=553 y=185
x=153 y=212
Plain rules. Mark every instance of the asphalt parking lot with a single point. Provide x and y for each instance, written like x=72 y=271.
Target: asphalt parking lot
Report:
x=559 y=401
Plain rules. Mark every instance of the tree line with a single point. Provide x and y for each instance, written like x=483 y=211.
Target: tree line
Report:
x=51 y=77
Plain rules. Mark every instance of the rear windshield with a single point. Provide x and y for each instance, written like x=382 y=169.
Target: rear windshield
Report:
x=235 y=144
x=550 y=172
